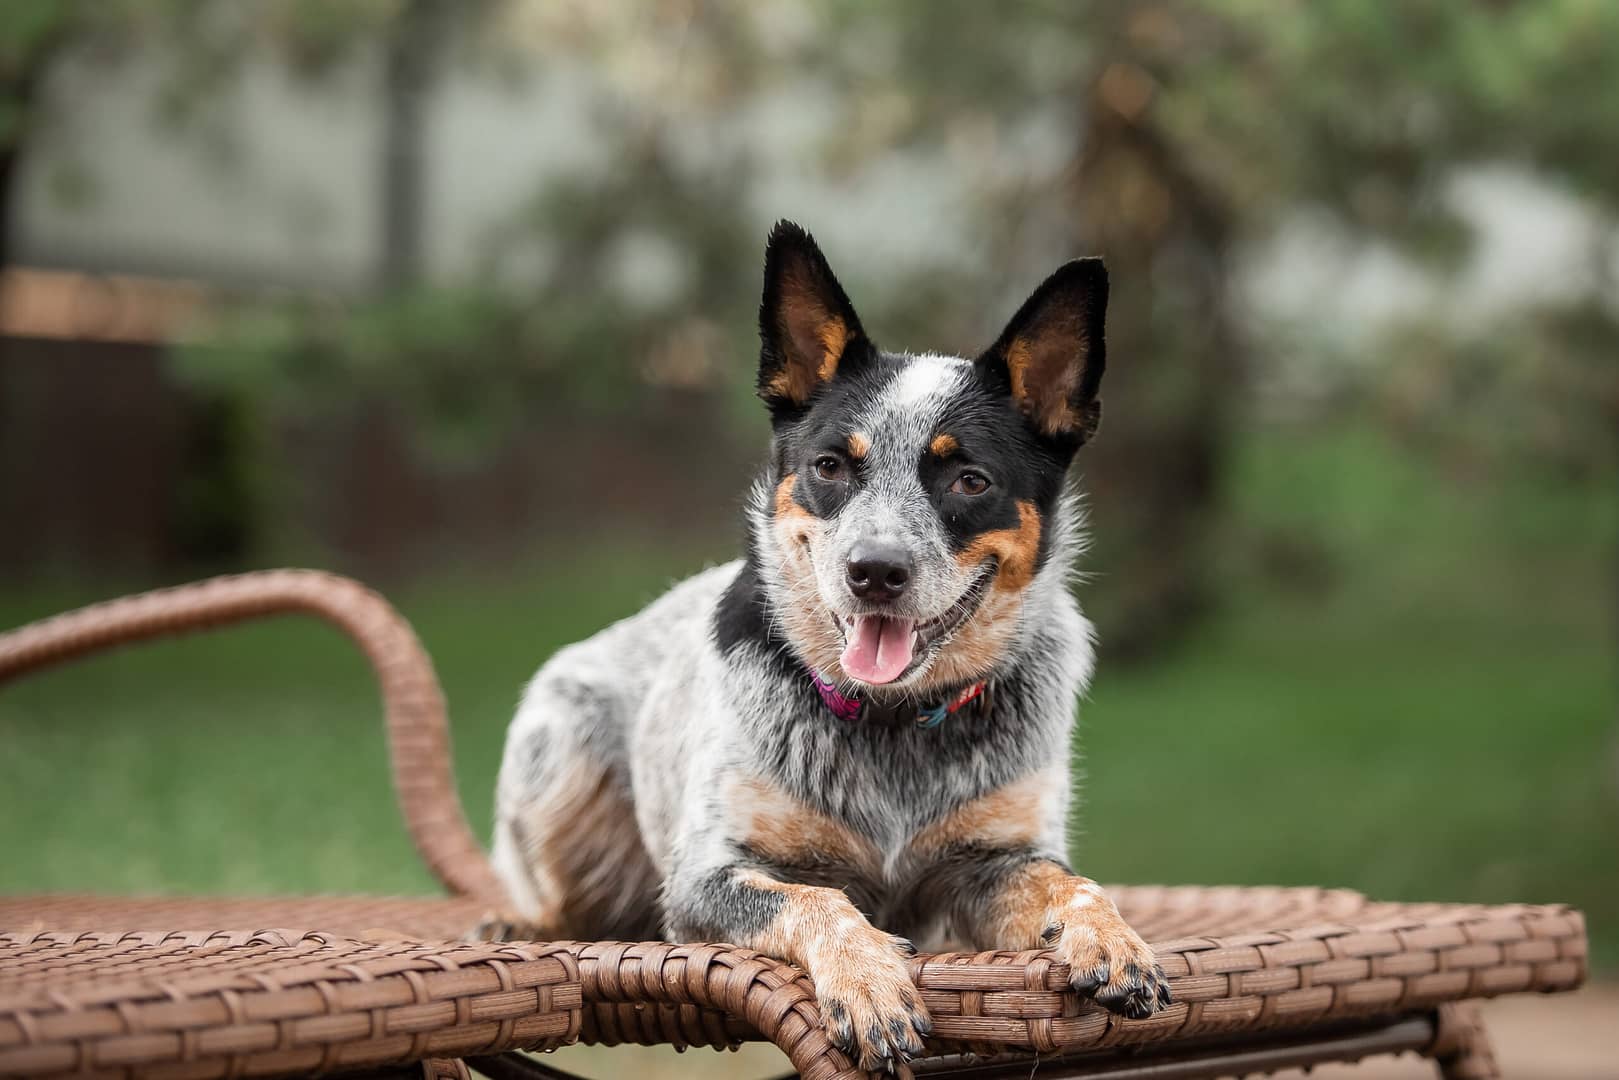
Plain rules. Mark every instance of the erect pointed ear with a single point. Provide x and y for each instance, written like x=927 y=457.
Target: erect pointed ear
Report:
x=1051 y=354
x=806 y=324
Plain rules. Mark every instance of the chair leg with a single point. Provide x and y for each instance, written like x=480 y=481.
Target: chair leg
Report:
x=1461 y=1048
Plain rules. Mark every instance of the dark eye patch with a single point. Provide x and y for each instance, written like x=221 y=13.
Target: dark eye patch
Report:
x=983 y=432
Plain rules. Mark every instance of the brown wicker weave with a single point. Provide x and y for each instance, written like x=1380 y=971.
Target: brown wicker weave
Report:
x=1263 y=978
x=269 y=1002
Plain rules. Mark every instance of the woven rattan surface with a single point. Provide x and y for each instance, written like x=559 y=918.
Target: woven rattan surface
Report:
x=1239 y=960
x=197 y=988
x=265 y=1002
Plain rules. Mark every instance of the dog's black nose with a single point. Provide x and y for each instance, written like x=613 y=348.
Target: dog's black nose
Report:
x=879 y=573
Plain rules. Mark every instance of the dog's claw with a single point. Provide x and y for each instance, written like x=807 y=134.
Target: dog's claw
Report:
x=1112 y=966
x=503 y=926
x=878 y=1021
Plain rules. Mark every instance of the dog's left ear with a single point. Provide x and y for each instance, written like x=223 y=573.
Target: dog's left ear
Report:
x=1050 y=356
x=806 y=323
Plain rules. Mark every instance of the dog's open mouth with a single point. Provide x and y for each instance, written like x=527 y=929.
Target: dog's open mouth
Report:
x=879 y=649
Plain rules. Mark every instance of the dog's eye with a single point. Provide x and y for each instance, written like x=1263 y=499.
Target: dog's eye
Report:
x=829 y=468
x=970 y=483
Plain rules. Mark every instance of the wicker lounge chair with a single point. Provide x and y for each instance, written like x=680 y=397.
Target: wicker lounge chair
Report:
x=1263 y=978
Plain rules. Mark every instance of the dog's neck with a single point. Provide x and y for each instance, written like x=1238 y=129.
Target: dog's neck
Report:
x=904 y=712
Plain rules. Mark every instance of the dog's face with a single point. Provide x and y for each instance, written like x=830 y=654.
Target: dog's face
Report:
x=914 y=497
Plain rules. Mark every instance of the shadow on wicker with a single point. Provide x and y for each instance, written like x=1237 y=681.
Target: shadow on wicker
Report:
x=1263 y=978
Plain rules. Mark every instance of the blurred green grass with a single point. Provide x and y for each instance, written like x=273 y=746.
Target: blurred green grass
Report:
x=1428 y=713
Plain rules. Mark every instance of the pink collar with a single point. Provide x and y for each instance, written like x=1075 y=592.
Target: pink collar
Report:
x=848 y=707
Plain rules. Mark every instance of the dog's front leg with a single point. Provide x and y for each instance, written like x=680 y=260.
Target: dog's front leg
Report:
x=1038 y=901
x=872 y=1009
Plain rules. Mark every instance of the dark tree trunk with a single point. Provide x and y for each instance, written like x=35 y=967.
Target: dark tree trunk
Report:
x=1154 y=472
x=413 y=52
x=19 y=92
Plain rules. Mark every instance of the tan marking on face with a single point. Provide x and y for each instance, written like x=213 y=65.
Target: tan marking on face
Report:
x=786 y=507
x=859 y=446
x=980 y=643
x=943 y=445
x=1009 y=816
x=1016 y=548
x=806 y=623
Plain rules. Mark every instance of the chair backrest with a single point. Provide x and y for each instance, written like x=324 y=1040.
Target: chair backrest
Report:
x=413 y=702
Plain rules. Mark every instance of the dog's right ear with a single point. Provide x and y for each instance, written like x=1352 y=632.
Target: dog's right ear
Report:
x=806 y=323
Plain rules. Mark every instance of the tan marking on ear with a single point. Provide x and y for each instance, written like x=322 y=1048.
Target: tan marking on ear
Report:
x=859 y=446
x=784 y=830
x=1017 y=549
x=1044 y=379
x=816 y=338
x=1010 y=816
x=943 y=445
x=834 y=338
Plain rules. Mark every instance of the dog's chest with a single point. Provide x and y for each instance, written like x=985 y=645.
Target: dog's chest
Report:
x=873 y=810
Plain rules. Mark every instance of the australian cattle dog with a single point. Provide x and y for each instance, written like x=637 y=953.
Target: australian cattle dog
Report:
x=857 y=736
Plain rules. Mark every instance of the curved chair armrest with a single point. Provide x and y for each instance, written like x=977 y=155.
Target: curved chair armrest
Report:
x=654 y=993
x=418 y=735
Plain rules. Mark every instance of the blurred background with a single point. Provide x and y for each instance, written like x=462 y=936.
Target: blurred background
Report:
x=459 y=298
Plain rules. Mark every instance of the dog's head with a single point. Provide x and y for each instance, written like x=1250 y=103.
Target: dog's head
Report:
x=913 y=501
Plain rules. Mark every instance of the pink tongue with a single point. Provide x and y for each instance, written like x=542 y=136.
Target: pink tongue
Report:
x=879 y=649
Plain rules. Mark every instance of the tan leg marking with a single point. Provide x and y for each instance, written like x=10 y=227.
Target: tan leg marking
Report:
x=1008 y=817
x=1043 y=904
x=871 y=1007
x=783 y=830
x=584 y=854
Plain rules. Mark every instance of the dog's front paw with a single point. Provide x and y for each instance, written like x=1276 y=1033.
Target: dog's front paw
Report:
x=505 y=926
x=872 y=1010
x=1108 y=961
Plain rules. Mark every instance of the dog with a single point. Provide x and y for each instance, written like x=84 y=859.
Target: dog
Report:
x=857 y=736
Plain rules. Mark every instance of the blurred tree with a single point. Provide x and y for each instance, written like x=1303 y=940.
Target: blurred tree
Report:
x=1197 y=130
x=201 y=46
x=1176 y=138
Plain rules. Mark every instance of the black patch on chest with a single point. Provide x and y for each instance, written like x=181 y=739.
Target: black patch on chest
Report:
x=740 y=618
